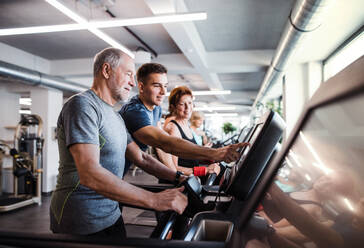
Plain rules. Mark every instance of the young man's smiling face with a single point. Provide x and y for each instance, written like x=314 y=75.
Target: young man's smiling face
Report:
x=154 y=89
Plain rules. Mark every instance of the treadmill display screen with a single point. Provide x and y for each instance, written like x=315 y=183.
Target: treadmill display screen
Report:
x=253 y=159
x=251 y=140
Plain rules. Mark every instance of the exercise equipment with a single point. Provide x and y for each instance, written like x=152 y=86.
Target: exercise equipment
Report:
x=27 y=164
x=212 y=207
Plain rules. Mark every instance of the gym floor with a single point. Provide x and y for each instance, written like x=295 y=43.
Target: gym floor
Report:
x=35 y=219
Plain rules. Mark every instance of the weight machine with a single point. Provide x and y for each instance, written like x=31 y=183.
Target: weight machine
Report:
x=27 y=164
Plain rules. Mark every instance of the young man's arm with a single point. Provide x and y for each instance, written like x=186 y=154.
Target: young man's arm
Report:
x=95 y=177
x=172 y=162
x=166 y=159
x=149 y=163
x=172 y=130
x=156 y=137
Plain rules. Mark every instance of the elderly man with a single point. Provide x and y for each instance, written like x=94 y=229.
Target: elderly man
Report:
x=93 y=142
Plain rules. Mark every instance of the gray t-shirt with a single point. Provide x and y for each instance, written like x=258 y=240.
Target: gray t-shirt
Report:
x=76 y=209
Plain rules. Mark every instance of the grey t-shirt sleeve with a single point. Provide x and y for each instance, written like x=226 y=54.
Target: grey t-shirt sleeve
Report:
x=80 y=122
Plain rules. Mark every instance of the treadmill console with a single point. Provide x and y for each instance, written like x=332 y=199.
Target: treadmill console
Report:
x=263 y=138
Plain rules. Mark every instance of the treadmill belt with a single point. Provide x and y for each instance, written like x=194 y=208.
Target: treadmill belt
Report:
x=11 y=201
x=147 y=214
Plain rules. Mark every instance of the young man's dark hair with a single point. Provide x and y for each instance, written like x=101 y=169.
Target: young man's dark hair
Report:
x=145 y=70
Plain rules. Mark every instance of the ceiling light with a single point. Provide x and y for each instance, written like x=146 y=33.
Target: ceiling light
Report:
x=214 y=108
x=222 y=114
x=211 y=92
x=208 y=92
x=23 y=111
x=92 y=29
x=151 y=20
x=41 y=29
x=25 y=101
x=83 y=24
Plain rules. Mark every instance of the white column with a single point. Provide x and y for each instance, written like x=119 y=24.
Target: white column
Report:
x=9 y=112
x=47 y=103
x=301 y=82
x=315 y=77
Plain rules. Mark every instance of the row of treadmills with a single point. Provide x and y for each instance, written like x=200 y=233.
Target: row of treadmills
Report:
x=323 y=158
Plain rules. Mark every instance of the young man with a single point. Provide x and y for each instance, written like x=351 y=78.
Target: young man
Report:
x=93 y=142
x=142 y=118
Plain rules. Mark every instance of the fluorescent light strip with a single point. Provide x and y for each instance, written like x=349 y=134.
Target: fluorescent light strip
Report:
x=25 y=101
x=222 y=114
x=104 y=24
x=41 y=29
x=22 y=111
x=208 y=92
x=151 y=20
x=214 y=108
x=211 y=92
x=84 y=22
x=67 y=11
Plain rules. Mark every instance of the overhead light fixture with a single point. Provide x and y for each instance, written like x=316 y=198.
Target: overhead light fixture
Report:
x=24 y=111
x=84 y=25
x=182 y=17
x=208 y=92
x=80 y=20
x=25 y=101
x=214 y=108
x=222 y=114
x=41 y=29
x=211 y=92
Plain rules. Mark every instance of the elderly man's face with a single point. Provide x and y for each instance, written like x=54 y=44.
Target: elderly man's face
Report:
x=122 y=79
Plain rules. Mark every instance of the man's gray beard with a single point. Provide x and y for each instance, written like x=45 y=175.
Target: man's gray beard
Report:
x=117 y=96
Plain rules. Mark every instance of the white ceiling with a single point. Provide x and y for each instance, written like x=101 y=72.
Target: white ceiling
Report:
x=231 y=50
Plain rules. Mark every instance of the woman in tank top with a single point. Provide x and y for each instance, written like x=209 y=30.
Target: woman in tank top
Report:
x=181 y=107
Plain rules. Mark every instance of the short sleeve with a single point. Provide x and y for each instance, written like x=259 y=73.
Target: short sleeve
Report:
x=135 y=119
x=129 y=138
x=80 y=122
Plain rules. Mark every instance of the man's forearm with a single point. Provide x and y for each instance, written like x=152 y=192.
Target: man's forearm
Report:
x=156 y=168
x=155 y=137
x=185 y=149
x=166 y=159
x=105 y=183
